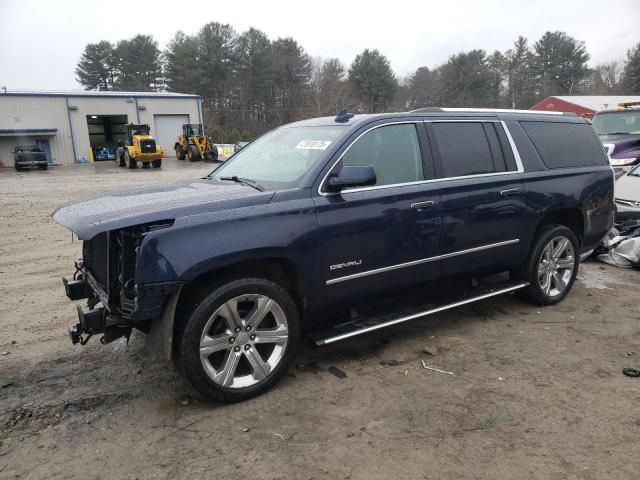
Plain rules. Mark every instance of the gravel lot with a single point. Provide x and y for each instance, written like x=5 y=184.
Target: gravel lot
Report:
x=537 y=393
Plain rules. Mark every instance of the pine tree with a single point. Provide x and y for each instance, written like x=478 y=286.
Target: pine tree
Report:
x=373 y=81
x=96 y=68
x=631 y=74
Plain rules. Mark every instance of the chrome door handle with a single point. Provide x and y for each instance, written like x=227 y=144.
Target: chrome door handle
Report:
x=423 y=205
x=510 y=191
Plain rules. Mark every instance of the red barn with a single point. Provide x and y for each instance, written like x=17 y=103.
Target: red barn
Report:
x=583 y=105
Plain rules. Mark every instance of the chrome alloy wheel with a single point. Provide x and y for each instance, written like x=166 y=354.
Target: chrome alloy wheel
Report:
x=556 y=266
x=243 y=341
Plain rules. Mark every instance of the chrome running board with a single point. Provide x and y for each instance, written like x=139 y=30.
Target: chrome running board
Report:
x=358 y=327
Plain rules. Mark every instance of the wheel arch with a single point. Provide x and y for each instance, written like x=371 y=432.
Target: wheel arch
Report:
x=281 y=270
x=572 y=218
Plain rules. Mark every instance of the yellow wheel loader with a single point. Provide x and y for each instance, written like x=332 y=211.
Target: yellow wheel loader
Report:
x=139 y=146
x=195 y=145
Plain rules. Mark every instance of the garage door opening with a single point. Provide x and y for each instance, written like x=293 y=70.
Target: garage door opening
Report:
x=105 y=131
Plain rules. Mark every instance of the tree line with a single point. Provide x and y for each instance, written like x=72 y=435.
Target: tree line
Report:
x=251 y=83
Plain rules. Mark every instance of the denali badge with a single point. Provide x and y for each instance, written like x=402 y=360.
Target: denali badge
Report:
x=352 y=263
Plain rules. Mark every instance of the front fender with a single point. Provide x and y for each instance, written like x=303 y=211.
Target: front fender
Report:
x=198 y=244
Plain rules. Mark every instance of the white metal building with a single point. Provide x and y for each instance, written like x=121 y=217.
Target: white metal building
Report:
x=67 y=125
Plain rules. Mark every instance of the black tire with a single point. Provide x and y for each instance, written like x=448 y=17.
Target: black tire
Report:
x=18 y=168
x=181 y=154
x=194 y=317
x=529 y=272
x=157 y=163
x=43 y=167
x=194 y=153
x=130 y=160
x=121 y=161
x=213 y=155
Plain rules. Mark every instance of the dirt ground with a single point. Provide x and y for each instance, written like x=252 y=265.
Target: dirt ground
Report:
x=536 y=392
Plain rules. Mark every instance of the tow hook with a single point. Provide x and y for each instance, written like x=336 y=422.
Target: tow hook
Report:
x=75 y=333
x=96 y=320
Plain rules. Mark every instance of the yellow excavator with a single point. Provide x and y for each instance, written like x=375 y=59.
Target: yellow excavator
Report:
x=195 y=145
x=139 y=146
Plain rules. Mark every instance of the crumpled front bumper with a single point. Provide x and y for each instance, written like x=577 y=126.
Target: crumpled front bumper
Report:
x=626 y=212
x=149 y=301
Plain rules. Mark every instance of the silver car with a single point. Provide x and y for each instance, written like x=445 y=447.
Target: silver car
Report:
x=627 y=191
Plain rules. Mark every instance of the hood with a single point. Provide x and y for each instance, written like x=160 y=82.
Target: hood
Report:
x=628 y=187
x=126 y=208
x=621 y=143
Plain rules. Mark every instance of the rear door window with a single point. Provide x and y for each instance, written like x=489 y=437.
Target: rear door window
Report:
x=463 y=149
x=563 y=145
x=392 y=150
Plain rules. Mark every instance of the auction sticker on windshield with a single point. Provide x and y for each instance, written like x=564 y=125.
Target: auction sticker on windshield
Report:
x=313 y=145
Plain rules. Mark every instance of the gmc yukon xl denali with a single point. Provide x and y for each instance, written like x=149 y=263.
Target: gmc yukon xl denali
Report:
x=334 y=227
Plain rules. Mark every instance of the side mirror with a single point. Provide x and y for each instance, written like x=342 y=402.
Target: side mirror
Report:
x=351 y=176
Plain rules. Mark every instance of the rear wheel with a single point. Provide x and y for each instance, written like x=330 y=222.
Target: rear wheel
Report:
x=17 y=167
x=213 y=155
x=130 y=160
x=157 y=163
x=238 y=338
x=194 y=153
x=552 y=265
x=180 y=153
x=121 y=161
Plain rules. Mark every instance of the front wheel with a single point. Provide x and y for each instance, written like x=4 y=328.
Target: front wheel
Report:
x=238 y=338
x=552 y=265
x=157 y=163
x=194 y=153
x=130 y=160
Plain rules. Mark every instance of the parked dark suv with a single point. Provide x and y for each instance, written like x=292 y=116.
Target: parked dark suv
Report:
x=333 y=215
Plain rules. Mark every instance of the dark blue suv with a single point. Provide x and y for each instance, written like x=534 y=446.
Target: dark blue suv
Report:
x=335 y=215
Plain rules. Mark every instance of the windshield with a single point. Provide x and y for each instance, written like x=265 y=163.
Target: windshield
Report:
x=617 y=122
x=280 y=157
x=635 y=172
x=194 y=129
x=140 y=130
x=28 y=148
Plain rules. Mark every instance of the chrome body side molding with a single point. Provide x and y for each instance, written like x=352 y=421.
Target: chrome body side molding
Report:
x=420 y=261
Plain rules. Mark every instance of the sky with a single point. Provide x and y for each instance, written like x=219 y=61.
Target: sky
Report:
x=41 y=41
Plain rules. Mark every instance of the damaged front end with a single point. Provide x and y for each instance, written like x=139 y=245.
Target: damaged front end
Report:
x=105 y=277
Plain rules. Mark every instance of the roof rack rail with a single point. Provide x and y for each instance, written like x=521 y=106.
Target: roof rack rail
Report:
x=426 y=109
x=488 y=110
x=343 y=116
x=628 y=104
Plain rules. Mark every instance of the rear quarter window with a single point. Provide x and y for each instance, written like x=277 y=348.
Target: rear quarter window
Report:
x=563 y=145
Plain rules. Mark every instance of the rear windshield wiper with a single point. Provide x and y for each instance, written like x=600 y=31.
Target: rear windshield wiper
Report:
x=244 y=181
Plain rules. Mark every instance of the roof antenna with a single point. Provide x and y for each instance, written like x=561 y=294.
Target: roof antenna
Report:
x=343 y=116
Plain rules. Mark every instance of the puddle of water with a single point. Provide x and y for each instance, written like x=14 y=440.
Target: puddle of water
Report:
x=600 y=279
